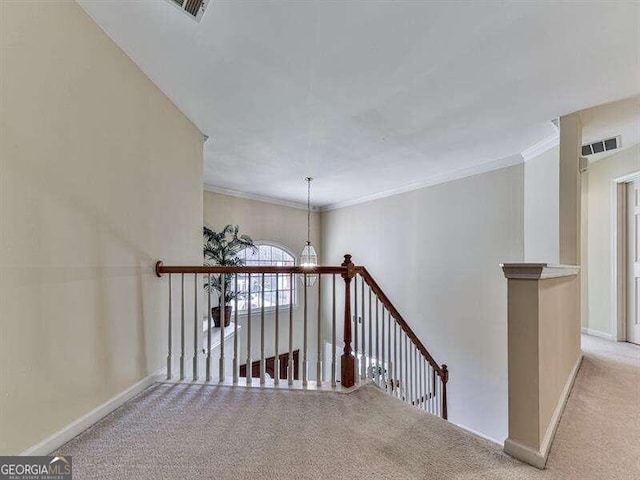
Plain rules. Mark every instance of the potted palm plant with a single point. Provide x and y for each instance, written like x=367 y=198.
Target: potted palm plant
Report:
x=222 y=248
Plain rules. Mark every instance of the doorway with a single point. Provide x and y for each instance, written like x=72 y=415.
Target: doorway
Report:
x=633 y=261
x=625 y=285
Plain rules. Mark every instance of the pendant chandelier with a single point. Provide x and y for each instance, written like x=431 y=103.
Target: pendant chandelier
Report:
x=309 y=257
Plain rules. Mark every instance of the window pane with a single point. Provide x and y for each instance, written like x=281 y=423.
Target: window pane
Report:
x=269 y=299
x=256 y=283
x=269 y=282
x=284 y=298
x=255 y=300
x=250 y=255
x=265 y=255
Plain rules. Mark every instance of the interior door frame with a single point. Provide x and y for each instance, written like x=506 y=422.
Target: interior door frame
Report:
x=619 y=255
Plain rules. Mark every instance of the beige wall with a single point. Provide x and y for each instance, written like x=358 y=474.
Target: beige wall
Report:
x=523 y=351
x=285 y=226
x=544 y=352
x=600 y=184
x=570 y=190
x=100 y=175
x=541 y=204
x=436 y=253
x=559 y=342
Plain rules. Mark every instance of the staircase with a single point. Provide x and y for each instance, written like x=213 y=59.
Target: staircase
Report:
x=378 y=346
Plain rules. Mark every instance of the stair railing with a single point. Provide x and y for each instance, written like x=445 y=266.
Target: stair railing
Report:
x=390 y=353
x=407 y=371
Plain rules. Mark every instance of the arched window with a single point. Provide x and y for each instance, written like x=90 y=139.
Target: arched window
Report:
x=266 y=254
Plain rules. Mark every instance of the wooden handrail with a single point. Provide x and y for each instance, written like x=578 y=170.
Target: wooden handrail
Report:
x=440 y=370
x=215 y=269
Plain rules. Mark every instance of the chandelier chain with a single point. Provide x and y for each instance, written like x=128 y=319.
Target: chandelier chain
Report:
x=308 y=179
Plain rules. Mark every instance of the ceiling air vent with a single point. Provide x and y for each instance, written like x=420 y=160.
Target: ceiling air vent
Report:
x=600 y=146
x=194 y=8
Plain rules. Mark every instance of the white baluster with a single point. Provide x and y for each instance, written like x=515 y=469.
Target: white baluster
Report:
x=384 y=372
x=370 y=356
x=290 y=367
x=403 y=383
x=319 y=333
x=333 y=332
x=170 y=336
x=425 y=365
x=262 y=360
x=419 y=375
x=412 y=360
x=276 y=358
x=363 y=368
x=223 y=320
x=407 y=373
x=390 y=377
x=424 y=383
x=377 y=339
x=356 y=345
x=248 y=369
x=208 y=361
x=235 y=334
x=432 y=387
x=429 y=393
x=182 y=349
x=395 y=359
x=304 y=334
x=196 y=326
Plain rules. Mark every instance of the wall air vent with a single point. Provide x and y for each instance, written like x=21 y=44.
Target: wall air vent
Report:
x=600 y=146
x=194 y=8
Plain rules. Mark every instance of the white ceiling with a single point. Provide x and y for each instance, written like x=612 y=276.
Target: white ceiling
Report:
x=369 y=97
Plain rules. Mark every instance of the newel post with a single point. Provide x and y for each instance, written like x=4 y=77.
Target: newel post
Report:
x=348 y=361
x=445 y=379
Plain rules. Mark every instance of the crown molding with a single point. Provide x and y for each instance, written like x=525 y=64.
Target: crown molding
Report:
x=541 y=147
x=431 y=181
x=256 y=197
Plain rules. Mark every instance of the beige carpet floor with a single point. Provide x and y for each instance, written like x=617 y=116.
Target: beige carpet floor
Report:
x=197 y=432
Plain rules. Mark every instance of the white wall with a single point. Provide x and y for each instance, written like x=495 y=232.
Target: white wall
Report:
x=285 y=226
x=436 y=253
x=100 y=175
x=541 y=207
x=601 y=184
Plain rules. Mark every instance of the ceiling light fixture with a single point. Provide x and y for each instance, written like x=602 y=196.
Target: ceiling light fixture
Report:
x=309 y=257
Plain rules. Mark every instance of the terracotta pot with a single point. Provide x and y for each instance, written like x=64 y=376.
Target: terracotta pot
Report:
x=215 y=315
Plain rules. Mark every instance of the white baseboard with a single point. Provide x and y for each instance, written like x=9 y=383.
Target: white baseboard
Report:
x=525 y=454
x=65 y=434
x=479 y=434
x=597 y=333
x=538 y=458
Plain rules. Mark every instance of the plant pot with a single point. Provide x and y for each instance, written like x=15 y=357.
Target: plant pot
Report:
x=215 y=315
